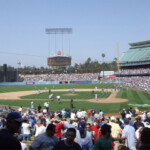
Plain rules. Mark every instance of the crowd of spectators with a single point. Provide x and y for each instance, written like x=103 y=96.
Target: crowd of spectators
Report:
x=60 y=77
x=91 y=130
x=135 y=81
x=141 y=82
x=133 y=71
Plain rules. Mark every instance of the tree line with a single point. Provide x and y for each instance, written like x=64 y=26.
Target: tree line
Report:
x=88 y=66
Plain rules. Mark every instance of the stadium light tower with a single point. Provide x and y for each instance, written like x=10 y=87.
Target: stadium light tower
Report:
x=58 y=31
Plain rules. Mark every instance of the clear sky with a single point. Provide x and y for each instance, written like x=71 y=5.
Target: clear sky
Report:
x=98 y=25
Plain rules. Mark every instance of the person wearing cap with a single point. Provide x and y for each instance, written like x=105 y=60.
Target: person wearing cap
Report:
x=115 y=128
x=68 y=143
x=7 y=139
x=128 y=134
x=45 y=141
x=83 y=137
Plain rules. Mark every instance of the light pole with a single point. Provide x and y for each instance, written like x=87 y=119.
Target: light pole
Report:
x=103 y=55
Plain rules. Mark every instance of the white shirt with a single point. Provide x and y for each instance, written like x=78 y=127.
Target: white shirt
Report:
x=84 y=141
x=84 y=113
x=137 y=135
x=20 y=109
x=45 y=104
x=58 y=97
x=40 y=130
x=44 y=110
x=24 y=146
x=79 y=114
x=26 y=128
x=72 y=116
x=101 y=114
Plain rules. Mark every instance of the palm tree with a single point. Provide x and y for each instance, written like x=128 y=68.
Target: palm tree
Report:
x=103 y=55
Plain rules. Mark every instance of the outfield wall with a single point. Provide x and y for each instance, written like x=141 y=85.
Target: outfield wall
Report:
x=50 y=82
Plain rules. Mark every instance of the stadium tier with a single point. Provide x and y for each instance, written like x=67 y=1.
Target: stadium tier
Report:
x=138 y=54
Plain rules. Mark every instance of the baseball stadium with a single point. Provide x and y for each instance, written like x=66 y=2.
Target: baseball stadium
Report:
x=74 y=75
x=90 y=95
x=127 y=87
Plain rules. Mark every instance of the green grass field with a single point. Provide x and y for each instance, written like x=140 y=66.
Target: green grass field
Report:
x=135 y=98
x=4 y=89
x=79 y=95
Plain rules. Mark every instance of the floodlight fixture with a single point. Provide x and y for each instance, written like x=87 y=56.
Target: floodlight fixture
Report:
x=58 y=30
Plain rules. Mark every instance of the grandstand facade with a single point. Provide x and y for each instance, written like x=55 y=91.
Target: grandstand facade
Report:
x=137 y=55
x=134 y=65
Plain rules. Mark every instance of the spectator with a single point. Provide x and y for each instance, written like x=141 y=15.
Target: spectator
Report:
x=145 y=139
x=59 y=125
x=96 y=129
x=115 y=128
x=39 y=127
x=122 y=147
x=138 y=122
x=83 y=137
x=105 y=141
x=7 y=139
x=69 y=143
x=45 y=141
x=128 y=134
x=26 y=130
x=102 y=122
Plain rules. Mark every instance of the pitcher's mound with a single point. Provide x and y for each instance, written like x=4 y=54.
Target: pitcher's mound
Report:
x=111 y=99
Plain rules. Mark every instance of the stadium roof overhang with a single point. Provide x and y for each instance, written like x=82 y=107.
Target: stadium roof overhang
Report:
x=140 y=43
x=121 y=64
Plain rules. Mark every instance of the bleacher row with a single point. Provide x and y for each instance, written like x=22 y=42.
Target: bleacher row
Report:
x=136 y=54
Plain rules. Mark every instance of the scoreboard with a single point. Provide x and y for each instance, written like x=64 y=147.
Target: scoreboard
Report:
x=59 y=61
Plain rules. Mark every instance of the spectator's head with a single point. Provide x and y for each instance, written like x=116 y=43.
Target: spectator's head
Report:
x=126 y=121
x=122 y=147
x=88 y=127
x=106 y=130
x=39 y=123
x=50 y=130
x=113 y=119
x=97 y=123
x=13 y=122
x=70 y=136
x=83 y=119
x=145 y=136
x=139 y=118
